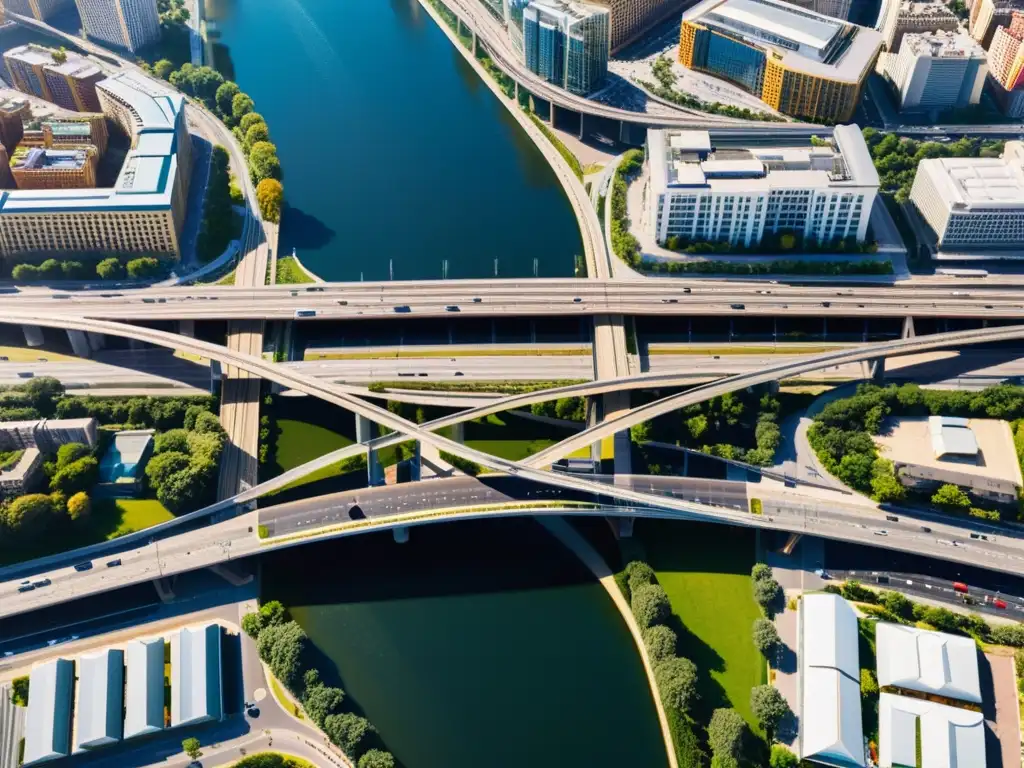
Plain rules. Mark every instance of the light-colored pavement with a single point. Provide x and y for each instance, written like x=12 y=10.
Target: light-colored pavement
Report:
x=1003 y=714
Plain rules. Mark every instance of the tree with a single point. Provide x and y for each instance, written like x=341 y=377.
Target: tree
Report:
x=79 y=506
x=321 y=701
x=855 y=470
x=60 y=56
x=171 y=440
x=1009 y=634
x=376 y=758
x=252 y=624
x=638 y=573
x=163 y=69
x=269 y=195
x=191 y=747
x=79 y=475
x=898 y=604
x=726 y=732
x=163 y=466
x=697 y=426
x=281 y=646
x=868 y=684
x=766 y=636
x=28 y=515
x=781 y=757
x=263 y=162
x=145 y=266
x=348 y=731
x=73 y=270
x=650 y=605
x=71 y=452
x=225 y=96
x=677 y=683
x=19 y=691
x=249 y=120
x=110 y=269
x=766 y=593
x=241 y=105
x=50 y=270
x=660 y=642
x=258 y=132
x=43 y=393
x=25 y=273
x=191 y=414
x=768 y=706
x=761 y=571
x=273 y=613
x=951 y=497
x=207 y=423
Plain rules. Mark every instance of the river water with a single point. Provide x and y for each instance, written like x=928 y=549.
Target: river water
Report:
x=474 y=645
x=396 y=156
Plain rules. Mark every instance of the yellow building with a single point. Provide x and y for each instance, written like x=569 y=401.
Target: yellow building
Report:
x=799 y=62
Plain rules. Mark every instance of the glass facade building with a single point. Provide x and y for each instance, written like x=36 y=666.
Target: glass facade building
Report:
x=729 y=59
x=566 y=43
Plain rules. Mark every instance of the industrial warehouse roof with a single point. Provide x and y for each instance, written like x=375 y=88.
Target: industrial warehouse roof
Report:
x=48 y=721
x=950 y=737
x=144 y=689
x=830 y=720
x=99 y=700
x=196 y=675
x=972 y=183
x=930 y=662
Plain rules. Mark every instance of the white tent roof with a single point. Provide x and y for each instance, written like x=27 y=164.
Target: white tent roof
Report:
x=100 y=699
x=950 y=737
x=48 y=720
x=930 y=662
x=144 y=692
x=831 y=626
x=196 y=675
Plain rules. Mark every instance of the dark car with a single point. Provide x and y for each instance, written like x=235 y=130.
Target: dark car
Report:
x=113 y=563
x=87 y=565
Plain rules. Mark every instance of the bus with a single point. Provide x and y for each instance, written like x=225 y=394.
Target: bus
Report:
x=949 y=272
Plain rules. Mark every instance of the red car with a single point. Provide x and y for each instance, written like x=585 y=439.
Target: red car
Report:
x=959 y=586
x=1000 y=604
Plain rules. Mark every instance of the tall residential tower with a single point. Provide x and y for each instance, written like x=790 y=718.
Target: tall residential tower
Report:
x=127 y=24
x=566 y=43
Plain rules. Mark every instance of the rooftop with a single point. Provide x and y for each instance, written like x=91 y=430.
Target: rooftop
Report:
x=99 y=699
x=48 y=721
x=942 y=45
x=124 y=454
x=73 y=128
x=949 y=736
x=927 y=9
x=30 y=54
x=144 y=688
x=39 y=159
x=76 y=67
x=153 y=106
x=952 y=436
x=929 y=662
x=573 y=10
x=980 y=182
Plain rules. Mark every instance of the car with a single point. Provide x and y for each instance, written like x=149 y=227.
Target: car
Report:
x=687 y=290
x=981 y=536
x=988 y=306
x=459 y=373
x=826 y=304
x=26 y=587
x=305 y=313
x=477 y=299
x=422 y=374
x=113 y=563
x=670 y=301
x=765 y=293
x=25 y=374
x=342 y=303
x=999 y=603
x=892 y=518
x=403 y=309
x=43 y=360
x=149 y=301
x=253 y=711
x=42 y=583
x=576 y=300
x=881 y=532
x=452 y=308
x=61 y=296
x=314 y=289
x=4 y=358
x=83 y=566
x=925 y=529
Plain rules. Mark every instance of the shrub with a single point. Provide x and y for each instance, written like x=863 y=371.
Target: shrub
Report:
x=1008 y=634
x=650 y=605
x=349 y=732
x=854 y=591
x=767 y=593
x=638 y=573
x=660 y=642
x=322 y=701
x=80 y=475
x=376 y=758
x=868 y=683
x=19 y=691
x=269 y=195
x=761 y=572
x=676 y=679
x=951 y=497
x=766 y=636
x=781 y=757
x=726 y=732
x=71 y=452
x=281 y=647
x=79 y=506
x=768 y=706
x=143 y=267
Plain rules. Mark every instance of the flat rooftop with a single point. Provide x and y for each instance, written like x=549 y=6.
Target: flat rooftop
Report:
x=30 y=54
x=76 y=67
x=980 y=182
x=79 y=128
x=909 y=441
x=784 y=21
x=37 y=159
x=942 y=45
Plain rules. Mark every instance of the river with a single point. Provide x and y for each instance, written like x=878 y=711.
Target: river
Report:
x=396 y=157
x=474 y=644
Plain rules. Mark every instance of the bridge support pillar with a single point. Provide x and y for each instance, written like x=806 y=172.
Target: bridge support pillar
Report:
x=877 y=369
x=623 y=526
x=33 y=335
x=364 y=434
x=187 y=328
x=908 y=328
x=79 y=343
x=773 y=387
x=401 y=534
x=97 y=341
x=459 y=432
x=164 y=590
x=791 y=542
x=551 y=114
x=416 y=463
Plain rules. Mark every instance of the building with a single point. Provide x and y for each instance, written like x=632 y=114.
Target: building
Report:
x=46 y=434
x=821 y=193
x=26 y=65
x=144 y=687
x=99 y=700
x=911 y=16
x=72 y=85
x=948 y=736
x=629 y=19
x=6 y=178
x=24 y=476
x=125 y=24
x=937 y=71
x=122 y=465
x=35 y=168
x=13 y=114
x=48 y=720
x=976 y=454
x=973 y=202
x=839 y=9
x=196 y=691
x=1006 y=66
x=988 y=15
x=90 y=131
x=797 y=61
x=566 y=43
x=831 y=731
x=142 y=213
x=927 y=662
x=40 y=10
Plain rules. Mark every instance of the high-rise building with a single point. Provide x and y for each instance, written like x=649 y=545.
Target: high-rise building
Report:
x=629 y=19
x=973 y=202
x=798 y=62
x=40 y=10
x=839 y=9
x=13 y=114
x=126 y=24
x=738 y=196
x=72 y=85
x=988 y=15
x=566 y=43
x=903 y=16
x=1006 y=66
x=937 y=71
x=26 y=65
x=35 y=168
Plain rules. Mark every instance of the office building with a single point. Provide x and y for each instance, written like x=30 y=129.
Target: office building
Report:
x=144 y=687
x=910 y=16
x=976 y=454
x=48 y=720
x=54 y=168
x=1006 y=66
x=40 y=10
x=937 y=71
x=26 y=65
x=125 y=24
x=831 y=731
x=988 y=15
x=797 y=61
x=927 y=662
x=629 y=19
x=738 y=196
x=89 y=131
x=72 y=85
x=913 y=731
x=99 y=700
x=566 y=43
x=196 y=691
x=46 y=434
x=838 y=9
x=13 y=114
x=24 y=476
x=142 y=213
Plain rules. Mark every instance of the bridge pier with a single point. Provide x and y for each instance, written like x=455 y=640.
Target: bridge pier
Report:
x=187 y=328
x=163 y=589
x=364 y=434
x=908 y=328
x=401 y=534
x=459 y=432
x=79 y=343
x=623 y=526
x=33 y=335
x=96 y=340
x=415 y=463
x=877 y=369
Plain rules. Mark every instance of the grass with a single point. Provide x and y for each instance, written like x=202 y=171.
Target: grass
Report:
x=733 y=349
x=566 y=153
x=866 y=650
x=497 y=387
x=26 y=355
x=137 y=515
x=705 y=569
x=299 y=442
x=286 y=760
x=412 y=352
x=509 y=437
x=283 y=698
x=288 y=271
x=9 y=459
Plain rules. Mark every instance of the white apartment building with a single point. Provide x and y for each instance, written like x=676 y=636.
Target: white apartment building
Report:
x=698 y=193
x=973 y=202
x=905 y=16
x=127 y=24
x=937 y=71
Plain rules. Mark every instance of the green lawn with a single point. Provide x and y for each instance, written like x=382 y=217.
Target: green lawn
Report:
x=299 y=442
x=288 y=271
x=705 y=569
x=510 y=437
x=135 y=515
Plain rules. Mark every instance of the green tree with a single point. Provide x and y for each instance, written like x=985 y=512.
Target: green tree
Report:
x=71 y=452
x=767 y=593
x=27 y=516
x=73 y=270
x=676 y=679
x=269 y=196
x=171 y=440
x=781 y=757
x=951 y=497
x=650 y=605
x=50 y=270
x=249 y=120
x=43 y=393
x=660 y=642
x=761 y=572
x=163 y=69
x=697 y=426
x=79 y=506
x=258 y=132
x=191 y=747
x=19 y=691
x=766 y=636
x=768 y=706
x=25 y=273
x=80 y=475
x=60 y=55
x=110 y=269
x=281 y=646
x=208 y=423
x=855 y=470
x=1009 y=634
x=898 y=604
x=163 y=466
x=321 y=701
x=241 y=105
x=143 y=267
x=349 y=732
x=263 y=162
x=273 y=613
x=224 y=97
x=726 y=733
x=252 y=624
x=376 y=758
x=868 y=684
x=638 y=573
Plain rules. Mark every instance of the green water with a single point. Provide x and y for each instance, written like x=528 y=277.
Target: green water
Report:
x=474 y=645
x=396 y=156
